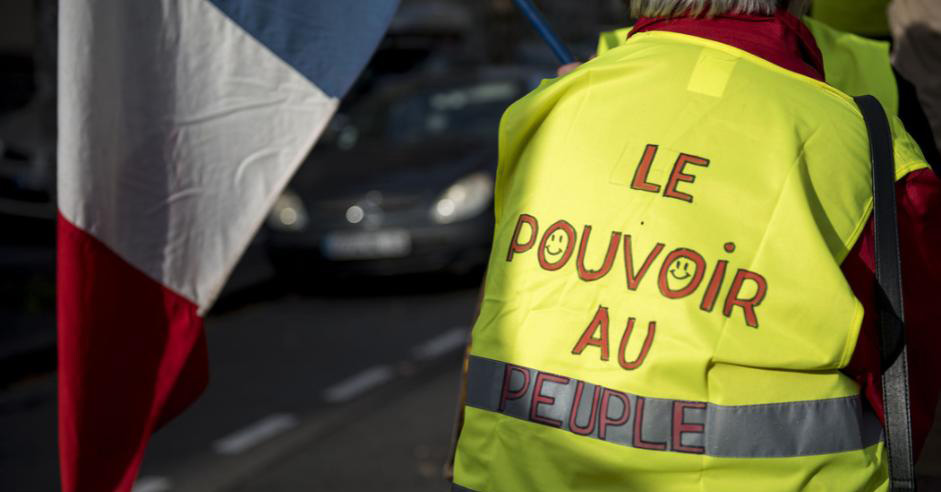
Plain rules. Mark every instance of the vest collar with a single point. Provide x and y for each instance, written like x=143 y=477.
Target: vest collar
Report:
x=781 y=38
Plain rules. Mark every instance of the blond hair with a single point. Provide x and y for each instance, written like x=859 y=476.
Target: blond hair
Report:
x=709 y=8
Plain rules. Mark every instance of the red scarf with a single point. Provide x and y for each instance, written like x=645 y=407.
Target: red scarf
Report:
x=781 y=38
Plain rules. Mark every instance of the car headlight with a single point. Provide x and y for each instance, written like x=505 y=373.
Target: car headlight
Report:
x=465 y=198
x=288 y=213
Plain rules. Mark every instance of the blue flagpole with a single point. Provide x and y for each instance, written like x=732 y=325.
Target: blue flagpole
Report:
x=542 y=27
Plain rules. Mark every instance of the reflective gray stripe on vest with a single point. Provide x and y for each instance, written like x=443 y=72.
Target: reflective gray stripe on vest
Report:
x=800 y=428
x=457 y=488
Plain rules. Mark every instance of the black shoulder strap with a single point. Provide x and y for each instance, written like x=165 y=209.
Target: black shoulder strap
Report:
x=898 y=428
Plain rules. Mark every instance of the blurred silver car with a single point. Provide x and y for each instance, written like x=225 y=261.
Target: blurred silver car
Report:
x=401 y=183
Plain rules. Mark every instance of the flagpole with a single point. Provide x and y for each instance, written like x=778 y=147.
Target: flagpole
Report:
x=542 y=27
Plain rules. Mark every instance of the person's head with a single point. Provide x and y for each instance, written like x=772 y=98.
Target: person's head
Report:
x=709 y=8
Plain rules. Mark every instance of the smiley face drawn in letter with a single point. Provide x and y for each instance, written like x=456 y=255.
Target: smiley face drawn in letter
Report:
x=556 y=244
x=680 y=272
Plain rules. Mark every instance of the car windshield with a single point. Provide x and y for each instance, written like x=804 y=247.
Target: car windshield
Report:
x=471 y=110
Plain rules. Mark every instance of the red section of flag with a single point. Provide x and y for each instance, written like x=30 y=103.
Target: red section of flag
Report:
x=132 y=355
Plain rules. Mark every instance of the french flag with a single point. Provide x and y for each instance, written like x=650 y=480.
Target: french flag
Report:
x=179 y=124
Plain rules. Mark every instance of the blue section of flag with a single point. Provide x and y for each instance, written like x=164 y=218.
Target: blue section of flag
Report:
x=327 y=41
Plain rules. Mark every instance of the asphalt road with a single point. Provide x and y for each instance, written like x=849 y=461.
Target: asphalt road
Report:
x=292 y=374
x=296 y=374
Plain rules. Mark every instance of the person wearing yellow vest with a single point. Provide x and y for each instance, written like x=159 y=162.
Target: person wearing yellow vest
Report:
x=915 y=28
x=667 y=305
x=905 y=82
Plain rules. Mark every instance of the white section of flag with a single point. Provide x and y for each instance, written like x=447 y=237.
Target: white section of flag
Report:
x=195 y=158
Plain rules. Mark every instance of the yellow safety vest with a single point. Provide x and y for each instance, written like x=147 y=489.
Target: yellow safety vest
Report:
x=664 y=306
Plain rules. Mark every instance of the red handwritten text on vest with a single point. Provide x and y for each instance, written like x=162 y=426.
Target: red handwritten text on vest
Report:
x=678 y=274
x=607 y=414
x=641 y=181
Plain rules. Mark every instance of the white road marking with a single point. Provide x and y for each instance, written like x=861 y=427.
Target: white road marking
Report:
x=152 y=484
x=441 y=344
x=255 y=434
x=358 y=384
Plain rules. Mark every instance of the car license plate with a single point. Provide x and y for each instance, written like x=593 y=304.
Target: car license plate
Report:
x=367 y=245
